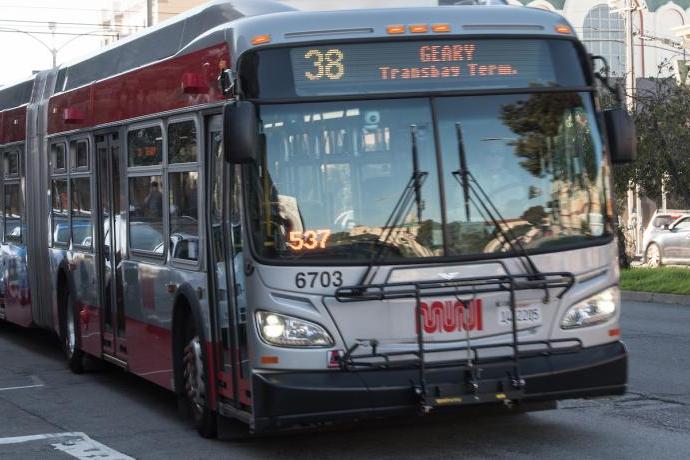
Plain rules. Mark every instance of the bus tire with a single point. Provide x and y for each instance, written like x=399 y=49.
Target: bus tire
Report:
x=68 y=336
x=196 y=383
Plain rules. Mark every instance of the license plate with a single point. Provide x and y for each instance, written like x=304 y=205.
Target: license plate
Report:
x=526 y=316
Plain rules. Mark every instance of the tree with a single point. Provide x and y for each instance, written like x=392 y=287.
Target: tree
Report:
x=662 y=119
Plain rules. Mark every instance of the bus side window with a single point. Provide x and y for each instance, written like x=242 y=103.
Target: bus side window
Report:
x=184 y=215
x=80 y=199
x=183 y=191
x=146 y=190
x=59 y=196
x=13 y=208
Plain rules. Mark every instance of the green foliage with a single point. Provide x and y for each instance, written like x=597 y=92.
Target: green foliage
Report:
x=665 y=280
x=662 y=119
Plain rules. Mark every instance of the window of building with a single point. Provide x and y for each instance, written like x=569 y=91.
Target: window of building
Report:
x=145 y=146
x=604 y=35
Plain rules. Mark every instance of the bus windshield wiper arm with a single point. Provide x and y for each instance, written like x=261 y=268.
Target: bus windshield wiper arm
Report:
x=475 y=194
x=412 y=193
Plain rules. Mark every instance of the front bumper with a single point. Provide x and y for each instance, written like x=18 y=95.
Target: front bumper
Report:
x=285 y=399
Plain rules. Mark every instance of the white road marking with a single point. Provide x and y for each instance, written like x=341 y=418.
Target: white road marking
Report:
x=22 y=387
x=77 y=445
x=35 y=437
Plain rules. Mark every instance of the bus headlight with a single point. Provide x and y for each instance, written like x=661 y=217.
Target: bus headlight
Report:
x=594 y=310
x=286 y=331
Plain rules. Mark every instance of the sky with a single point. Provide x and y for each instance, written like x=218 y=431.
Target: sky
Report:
x=21 y=54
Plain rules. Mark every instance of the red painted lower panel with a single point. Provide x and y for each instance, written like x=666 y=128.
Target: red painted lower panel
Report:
x=90 y=327
x=149 y=352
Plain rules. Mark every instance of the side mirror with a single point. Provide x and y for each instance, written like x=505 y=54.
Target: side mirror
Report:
x=622 y=136
x=667 y=226
x=240 y=132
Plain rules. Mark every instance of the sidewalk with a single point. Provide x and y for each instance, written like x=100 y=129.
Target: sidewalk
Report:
x=673 y=299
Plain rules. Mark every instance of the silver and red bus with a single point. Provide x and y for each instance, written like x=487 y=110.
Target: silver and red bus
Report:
x=296 y=218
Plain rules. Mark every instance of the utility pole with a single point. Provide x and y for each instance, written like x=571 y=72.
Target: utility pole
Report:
x=149 y=13
x=627 y=8
x=52 y=26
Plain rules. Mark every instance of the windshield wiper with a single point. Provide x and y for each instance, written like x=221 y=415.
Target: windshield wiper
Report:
x=412 y=193
x=475 y=194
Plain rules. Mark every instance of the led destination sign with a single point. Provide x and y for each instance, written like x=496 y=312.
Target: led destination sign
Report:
x=428 y=65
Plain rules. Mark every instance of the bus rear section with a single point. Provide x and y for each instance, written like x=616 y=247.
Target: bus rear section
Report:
x=427 y=220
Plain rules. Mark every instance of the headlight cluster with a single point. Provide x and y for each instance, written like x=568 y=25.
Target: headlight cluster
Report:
x=286 y=331
x=594 y=310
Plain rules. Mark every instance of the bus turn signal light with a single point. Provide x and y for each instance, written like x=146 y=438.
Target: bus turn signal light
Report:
x=419 y=28
x=269 y=360
x=441 y=28
x=396 y=29
x=261 y=39
x=563 y=29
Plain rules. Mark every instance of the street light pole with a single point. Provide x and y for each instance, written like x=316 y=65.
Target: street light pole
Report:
x=51 y=49
x=630 y=54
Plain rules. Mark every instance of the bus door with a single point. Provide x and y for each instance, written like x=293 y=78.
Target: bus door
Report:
x=109 y=252
x=226 y=271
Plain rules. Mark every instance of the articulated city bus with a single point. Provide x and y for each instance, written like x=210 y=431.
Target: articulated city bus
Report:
x=292 y=219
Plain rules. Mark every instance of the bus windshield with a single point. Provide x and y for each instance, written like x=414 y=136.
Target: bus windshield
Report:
x=332 y=174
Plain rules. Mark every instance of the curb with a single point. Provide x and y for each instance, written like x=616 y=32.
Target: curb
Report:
x=671 y=299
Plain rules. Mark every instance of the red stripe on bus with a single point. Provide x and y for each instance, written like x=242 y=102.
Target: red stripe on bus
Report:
x=150 y=90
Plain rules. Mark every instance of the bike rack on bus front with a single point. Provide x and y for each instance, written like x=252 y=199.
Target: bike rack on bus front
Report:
x=506 y=389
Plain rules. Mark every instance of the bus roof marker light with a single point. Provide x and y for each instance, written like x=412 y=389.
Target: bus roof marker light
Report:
x=261 y=39
x=396 y=29
x=564 y=29
x=441 y=28
x=419 y=28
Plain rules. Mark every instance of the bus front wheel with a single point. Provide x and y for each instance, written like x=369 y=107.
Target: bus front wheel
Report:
x=196 y=383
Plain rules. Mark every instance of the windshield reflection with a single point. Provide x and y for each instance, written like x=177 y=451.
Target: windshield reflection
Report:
x=538 y=157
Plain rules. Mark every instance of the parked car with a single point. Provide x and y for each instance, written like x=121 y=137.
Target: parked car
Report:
x=669 y=243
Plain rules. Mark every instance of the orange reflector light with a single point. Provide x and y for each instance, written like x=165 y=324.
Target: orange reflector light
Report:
x=269 y=360
x=441 y=28
x=614 y=332
x=396 y=29
x=261 y=39
x=419 y=28
x=563 y=29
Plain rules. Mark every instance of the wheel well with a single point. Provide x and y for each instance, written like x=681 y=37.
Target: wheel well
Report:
x=182 y=313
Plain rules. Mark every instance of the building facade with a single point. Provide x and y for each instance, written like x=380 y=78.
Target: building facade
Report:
x=130 y=16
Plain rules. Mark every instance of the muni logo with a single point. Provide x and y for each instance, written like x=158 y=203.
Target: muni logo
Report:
x=452 y=316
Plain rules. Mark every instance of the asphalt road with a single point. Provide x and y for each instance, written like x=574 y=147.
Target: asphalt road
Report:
x=48 y=413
